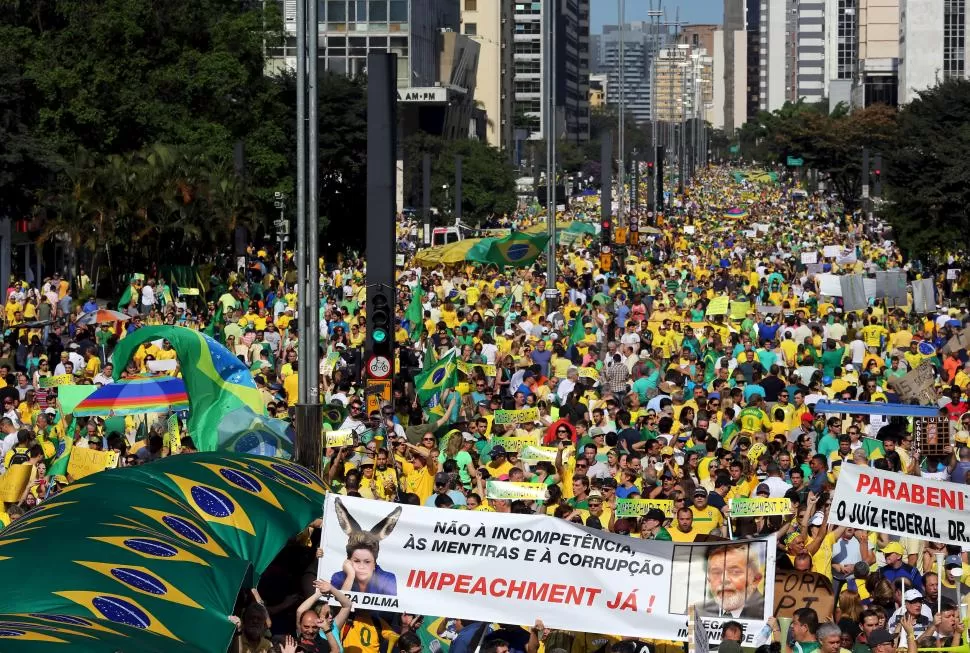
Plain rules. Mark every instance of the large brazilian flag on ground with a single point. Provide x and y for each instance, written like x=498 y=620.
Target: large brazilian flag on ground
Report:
x=518 y=249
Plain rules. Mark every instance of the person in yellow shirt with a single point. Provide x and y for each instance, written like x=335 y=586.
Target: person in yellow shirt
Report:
x=291 y=385
x=707 y=519
x=419 y=472
x=684 y=531
x=874 y=333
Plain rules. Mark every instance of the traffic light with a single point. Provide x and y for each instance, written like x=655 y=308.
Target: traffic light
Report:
x=877 y=175
x=607 y=230
x=380 y=314
x=650 y=168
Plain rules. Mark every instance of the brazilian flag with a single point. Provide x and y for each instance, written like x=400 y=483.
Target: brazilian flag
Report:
x=443 y=375
x=518 y=249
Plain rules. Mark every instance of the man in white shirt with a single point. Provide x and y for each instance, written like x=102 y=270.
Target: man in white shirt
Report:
x=774 y=483
x=148 y=296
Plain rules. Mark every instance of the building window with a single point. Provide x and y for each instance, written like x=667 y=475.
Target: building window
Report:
x=471 y=5
x=954 y=38
x=471 y=29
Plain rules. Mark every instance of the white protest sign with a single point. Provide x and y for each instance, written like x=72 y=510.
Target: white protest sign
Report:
x=908 y=506
x=831 y=251
x=689 y=229
x=513 y=568
x=809 y=258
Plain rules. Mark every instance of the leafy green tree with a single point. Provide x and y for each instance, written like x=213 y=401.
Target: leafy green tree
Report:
x=928 y=184
x=488 y=180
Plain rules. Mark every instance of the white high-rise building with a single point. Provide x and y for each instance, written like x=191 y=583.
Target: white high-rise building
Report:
x=932 y=44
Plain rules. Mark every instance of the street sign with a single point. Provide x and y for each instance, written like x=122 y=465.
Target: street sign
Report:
x=379 y=367
x=795 y=162
x=377 y=392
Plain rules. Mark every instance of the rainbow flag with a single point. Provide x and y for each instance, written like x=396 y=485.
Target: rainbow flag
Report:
x=135 y=396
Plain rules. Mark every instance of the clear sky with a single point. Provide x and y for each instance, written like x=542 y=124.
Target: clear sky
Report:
x=691 y=11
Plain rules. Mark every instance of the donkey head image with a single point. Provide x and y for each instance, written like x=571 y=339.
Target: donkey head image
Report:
x=358 y=538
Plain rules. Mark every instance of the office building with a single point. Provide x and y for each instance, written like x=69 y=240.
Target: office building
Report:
x=641 y=40
x=698 y=37
x=571 y=61
x=436 y=65
x=489 y=24
x=683 y=84
x=733 y=52
x=775 y=57
x=598 y=85
x=807 y=75
x=876 y=79
x=932 y=44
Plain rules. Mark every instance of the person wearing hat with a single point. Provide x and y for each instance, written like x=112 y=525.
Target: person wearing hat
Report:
x=708 y=520
x=499 y=464
x=915 y=611
x=651 y=526
x=895 y=569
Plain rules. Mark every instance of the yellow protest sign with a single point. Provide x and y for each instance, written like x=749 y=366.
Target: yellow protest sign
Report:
x=342 y=438
x=515 y=443
x=589 y=373
x=521 y=416
x=757 y=450
x=718 y=305
x=511 y=491
x=640 y=507
x=468 y=368
x=739 y=310
x=535 y=454
x=85 y=462
x=14 y=481
x=742 y=507
x=189 y=292
x=54 y=381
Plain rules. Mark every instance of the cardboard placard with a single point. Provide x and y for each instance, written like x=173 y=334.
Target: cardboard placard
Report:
x=532 y=454
x=469 y=368
x=917 y=384
x=831 y=251
x=802 y=589
x=957 y=342
x=85 y=462
x=809 y=258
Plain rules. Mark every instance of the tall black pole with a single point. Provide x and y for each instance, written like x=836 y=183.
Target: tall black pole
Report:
x=426 y=197
x=659 y=172
x=606 y=177
x=458 y=187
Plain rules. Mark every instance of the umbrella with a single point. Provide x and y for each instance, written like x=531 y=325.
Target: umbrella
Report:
x=102 y=316
x=135 y=396
x=736 y=213
x=151 y=558
x=583 y=228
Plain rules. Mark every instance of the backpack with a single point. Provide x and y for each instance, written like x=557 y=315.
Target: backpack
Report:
x=19 y=457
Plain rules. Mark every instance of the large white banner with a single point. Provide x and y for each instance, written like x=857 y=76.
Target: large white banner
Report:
x=909 y=506
x=511 y=568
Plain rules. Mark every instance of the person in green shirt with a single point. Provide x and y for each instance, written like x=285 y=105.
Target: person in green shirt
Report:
x=832 y=357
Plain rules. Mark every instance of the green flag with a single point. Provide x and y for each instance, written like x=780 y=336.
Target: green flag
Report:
x=441 y=376
x=214 y=323
x=578 y=331
x=415 y=313
x=125 y=298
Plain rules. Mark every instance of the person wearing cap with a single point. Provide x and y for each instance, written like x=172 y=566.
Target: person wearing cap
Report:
x=708 y=520
x=652 y=526
x=895 y=569
x=915 y=611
